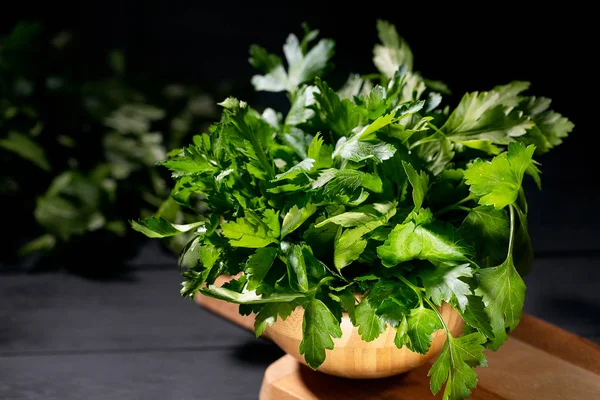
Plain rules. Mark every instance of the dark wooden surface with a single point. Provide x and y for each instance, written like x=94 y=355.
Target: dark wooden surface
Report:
x=65 y=337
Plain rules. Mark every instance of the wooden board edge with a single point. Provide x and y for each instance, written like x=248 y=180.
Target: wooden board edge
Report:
x=558 y=342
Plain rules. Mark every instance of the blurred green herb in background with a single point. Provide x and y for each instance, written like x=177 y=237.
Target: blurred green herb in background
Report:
x=78 y=144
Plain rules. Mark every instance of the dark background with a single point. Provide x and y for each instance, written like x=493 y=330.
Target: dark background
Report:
x=131 y=337
x=468 y=47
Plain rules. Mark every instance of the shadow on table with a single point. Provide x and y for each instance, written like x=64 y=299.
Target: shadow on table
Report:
x=258 y=352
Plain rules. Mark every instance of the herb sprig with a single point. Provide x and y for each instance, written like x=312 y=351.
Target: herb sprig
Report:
x=376 y=189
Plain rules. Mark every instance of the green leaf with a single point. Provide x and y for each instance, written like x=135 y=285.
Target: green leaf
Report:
x=300 y=111
x=296 y=266
x=318 y=327
x=475 y=316
x=295 y=217
x=268 y=314
x=487 y=229
x=198 y=273
x=296 y=139
x=41 y=243
x=22 y=145
x=359 y=216
x=497 y=183
x=262 y=60
x=454 y=366
x=357 y=151
x=158 y=227
x=347 y=181
x=443 y=283
x=348 y=302
x=370 y=325
x=251 y=232
x=402 y=339
x=392 y=52
x=303 y=166
x=422 y=324
x=258 y=266
x=503 y=293
x=340 y=116
x=350 y=244
x=320 y=153
x=550 y=127
x=302 y=68
x=376 y=103
x=393 y=300
x=433 y=242
x=192 y=160
x=419 y=183
x=489 y=116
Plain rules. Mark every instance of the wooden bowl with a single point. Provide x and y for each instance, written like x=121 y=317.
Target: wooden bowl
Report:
x=354 y=358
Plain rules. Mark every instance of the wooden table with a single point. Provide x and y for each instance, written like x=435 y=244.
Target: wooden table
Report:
x=63 y=337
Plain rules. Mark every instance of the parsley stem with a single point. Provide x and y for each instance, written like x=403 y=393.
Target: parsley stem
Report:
x=511 y=239
x=451 y=208
x=434 y=308
x=415 y=289
x=456 y=206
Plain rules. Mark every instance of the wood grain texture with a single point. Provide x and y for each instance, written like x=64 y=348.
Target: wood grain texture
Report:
x=551 y=339
x=352 y=357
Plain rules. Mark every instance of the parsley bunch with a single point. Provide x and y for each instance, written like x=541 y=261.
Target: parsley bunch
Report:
x=375 y=189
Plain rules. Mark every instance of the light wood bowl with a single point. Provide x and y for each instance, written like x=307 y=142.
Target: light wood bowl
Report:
x=354 y=358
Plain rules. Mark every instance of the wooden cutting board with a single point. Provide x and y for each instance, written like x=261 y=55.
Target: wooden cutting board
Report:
x=539 y=361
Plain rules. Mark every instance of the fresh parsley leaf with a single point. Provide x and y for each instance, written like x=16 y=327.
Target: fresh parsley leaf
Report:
x=348 y=302
x=503 y=293
x=443 y=283
x=550 y=127
x=497 y=182
x=392 y=52
x=258 y=266
x=474 y=315
x=268 y=313
x=251 y=232
x=337 y=115
x=454 y=366
x=27 y=148
x=370 y=325
x=419 y=183
x=320 y=152
x=349 y=245
x=295 y=217
x=422 y=324
x=158 y=227
x=318 y=328
x=489 y=116
x=296 y=266
x=393 y=300
x=487 y=229
x=303 y=166
x=302 y=67
x=358 y=151
x=433 y=242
